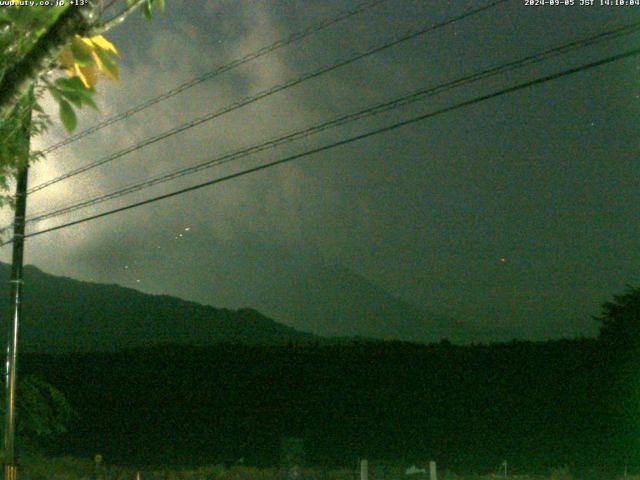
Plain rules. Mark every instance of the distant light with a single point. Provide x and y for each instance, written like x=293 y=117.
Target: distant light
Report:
x=138 y=280
x=503 y=260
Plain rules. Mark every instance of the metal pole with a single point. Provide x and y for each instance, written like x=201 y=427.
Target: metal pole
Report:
x=364 y=470
x=16 y=282
x=433 y=475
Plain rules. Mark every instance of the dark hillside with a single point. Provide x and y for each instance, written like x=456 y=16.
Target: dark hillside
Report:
x=66 y=315
x=535 y=404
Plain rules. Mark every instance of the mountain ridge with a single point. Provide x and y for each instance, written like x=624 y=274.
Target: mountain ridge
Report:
x=62 y=315
x=302 y=288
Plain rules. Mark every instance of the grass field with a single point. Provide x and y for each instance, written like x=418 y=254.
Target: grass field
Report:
x=75 y=469
x=66 y=468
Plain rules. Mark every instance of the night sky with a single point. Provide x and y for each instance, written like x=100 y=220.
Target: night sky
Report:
x=518 y=215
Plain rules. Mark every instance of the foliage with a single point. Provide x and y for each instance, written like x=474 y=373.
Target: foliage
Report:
x=535 y=404
x=61 y=468
x=69 y=468
x=42 y=410
x=620 y=320
x=22 y=30
x=561 y=473
x=82 y=60
x=292 y=452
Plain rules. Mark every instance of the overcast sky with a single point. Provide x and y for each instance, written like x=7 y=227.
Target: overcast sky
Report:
x=519 y=214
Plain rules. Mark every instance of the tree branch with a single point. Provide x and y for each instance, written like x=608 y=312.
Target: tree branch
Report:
x=117 y=20
x=18 y=80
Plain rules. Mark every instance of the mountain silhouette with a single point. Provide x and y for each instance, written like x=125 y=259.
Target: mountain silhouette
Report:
x=66 y=315
x=296 y=285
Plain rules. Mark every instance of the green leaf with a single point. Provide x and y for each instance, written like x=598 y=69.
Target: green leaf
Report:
x=68 y=116
x=69 y=84
x=73 y=97
x=77 y=84
x=88 y=100
x=56 y=94
x=110 y=66
x=73 y=84
x=38 y=108
x=146 y=10
x=74 y=90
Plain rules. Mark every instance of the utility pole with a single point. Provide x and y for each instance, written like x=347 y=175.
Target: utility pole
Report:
x=16 y=283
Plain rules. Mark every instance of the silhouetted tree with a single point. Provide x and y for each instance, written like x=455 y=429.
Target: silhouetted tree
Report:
x=42 y=411
x=620 y=320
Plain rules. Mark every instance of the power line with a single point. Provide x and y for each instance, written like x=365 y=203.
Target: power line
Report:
x=362 y=7
x=353 y=139
x=260 y=96
x=344 y=119
x=109 y=5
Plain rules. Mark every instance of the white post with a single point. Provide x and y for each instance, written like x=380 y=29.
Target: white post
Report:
x=432 y=471
x=364 y=470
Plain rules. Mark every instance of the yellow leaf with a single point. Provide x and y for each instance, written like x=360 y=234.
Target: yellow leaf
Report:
x=82 y=49
x=78 y=73
x=66 y=58
x=88 y=75
x=91 y=74
x=86 y=41
x=74 y=59
x=104 y=44
x=99 y=64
